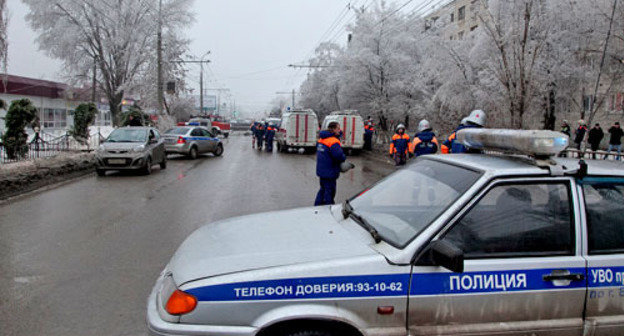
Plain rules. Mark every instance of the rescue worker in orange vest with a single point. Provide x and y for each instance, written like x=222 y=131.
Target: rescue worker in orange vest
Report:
x=425 y=141
x=269 y=136
x=369 y=131
x=399 y=148
x=329 y=156
x=476 y=119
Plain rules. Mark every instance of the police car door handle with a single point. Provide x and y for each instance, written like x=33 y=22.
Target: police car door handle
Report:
x=570 y=277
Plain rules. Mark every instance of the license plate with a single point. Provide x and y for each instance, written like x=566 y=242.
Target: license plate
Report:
x=170 y=140
x=116 y=161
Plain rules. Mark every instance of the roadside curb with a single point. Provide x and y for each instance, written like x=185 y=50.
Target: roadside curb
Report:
x=26 y=178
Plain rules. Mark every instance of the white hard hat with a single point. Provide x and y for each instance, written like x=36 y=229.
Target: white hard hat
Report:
x=423 y=125
x=477 y=117
x=464 y=121
x=581 y=122
x=399 y=126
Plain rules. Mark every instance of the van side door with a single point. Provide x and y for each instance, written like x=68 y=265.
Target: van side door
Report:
x=603 y=201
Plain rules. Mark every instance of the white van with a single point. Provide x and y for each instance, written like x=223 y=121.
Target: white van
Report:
x=352 y=126
x=298 y=131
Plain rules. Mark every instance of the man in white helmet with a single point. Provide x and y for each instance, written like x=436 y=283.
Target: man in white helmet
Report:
x=476 y=119
x=399 y=147
x=425 y=141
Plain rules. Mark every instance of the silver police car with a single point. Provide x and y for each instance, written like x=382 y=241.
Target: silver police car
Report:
x=192 y=141
x=466 y=244
x=131 y=148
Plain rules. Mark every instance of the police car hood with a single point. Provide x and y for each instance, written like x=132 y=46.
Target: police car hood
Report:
x=262 y=241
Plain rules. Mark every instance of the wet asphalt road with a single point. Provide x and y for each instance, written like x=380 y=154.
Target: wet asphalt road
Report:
x=81 y=259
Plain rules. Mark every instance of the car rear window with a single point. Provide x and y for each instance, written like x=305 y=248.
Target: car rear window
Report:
x=177 y=131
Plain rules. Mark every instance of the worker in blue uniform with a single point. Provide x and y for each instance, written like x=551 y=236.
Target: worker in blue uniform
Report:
x=269 y=136
x=329 y=156
x=425 y=141
x=399 y=147
x=476 y=119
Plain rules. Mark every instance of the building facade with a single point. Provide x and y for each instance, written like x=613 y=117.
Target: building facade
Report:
x=457 y=18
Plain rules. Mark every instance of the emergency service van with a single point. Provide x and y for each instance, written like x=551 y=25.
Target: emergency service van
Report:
x=463 y=244
x=352 y=126
x=298 y=131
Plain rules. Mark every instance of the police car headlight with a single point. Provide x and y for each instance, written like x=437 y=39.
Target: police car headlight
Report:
x=139 y=148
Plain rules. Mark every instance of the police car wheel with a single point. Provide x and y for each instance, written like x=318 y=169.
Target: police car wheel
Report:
x=219 y=150
x=193 y=153
x=100 y=172
x=163 y=163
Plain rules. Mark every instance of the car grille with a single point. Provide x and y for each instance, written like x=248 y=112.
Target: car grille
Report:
x=118 y=151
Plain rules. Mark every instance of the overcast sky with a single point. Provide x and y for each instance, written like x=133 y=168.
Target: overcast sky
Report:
x=252 y=42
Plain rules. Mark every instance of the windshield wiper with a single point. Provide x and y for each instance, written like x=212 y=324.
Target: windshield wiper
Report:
x=348 y=212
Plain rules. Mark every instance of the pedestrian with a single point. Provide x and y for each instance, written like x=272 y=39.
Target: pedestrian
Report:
x=132 y=121
x=565 y=128
x=369 y=132
x=329 y=156
x=616 y=139
x=425 y=141
x=399 y=147
x=269 y=136
x=476 y=119
x=254 y=129
x=594 y=138
x=260 y=135
x=579 y=134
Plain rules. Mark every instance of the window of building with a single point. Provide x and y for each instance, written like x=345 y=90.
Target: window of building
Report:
x=452 y=17
x=473 y=28
x=460 y=35
x=54 y=118
x=517 y=220
x=461 y=15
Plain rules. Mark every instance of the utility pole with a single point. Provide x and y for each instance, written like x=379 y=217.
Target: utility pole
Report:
x=201 y=63
x=159 y=85
x=293 y=93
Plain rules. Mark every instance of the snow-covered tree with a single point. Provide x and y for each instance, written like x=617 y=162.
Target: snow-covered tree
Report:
x=119 y=36
x=4 y=43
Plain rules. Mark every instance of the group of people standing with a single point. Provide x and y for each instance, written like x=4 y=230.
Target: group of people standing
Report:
x=595 y=136
x=425 y=142
x=262 y=134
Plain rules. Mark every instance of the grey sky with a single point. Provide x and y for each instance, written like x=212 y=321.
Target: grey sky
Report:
x=252 y=42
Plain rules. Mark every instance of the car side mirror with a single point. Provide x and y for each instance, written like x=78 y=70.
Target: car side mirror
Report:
x=447 y=255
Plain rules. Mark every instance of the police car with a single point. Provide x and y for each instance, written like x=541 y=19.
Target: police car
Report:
x=467 y=244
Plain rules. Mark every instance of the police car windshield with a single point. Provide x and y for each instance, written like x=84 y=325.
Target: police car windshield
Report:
x=178 y=131
x=405 y=203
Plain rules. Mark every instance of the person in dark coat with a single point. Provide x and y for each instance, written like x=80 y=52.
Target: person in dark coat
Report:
x=565 y=128
x=594 y=138
x=329 y=156
x=615 y=142
x=369 y=132
x=260 y=131
x=579 y=134
x=132 y=121
x=253 y=129
x=269 y=136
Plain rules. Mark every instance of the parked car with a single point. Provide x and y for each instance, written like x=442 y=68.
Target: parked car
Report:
x=131 y=148
x=298 y=131
x=465 y=244
x=352 y=126
x=192 y=141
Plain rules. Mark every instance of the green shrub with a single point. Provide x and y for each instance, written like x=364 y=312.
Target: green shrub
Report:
x=84 y=116
x=21 y=113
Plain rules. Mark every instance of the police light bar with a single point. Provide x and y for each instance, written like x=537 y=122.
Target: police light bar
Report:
x=531 y=142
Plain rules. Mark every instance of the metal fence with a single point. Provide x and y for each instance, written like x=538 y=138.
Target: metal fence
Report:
x=41 y=146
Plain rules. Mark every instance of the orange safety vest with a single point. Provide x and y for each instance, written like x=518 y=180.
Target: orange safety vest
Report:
x=396 y=137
